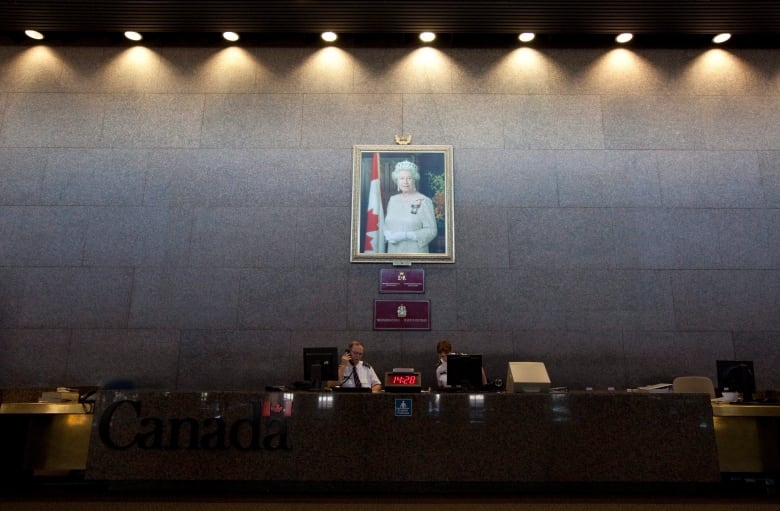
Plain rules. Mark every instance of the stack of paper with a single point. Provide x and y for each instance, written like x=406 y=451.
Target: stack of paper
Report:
x=61 y=395
x=658 y=387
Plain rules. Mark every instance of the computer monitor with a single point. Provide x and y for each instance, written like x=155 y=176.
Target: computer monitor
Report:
x=527 y=377
x=737 y=376
x=320 y=364
x=464 y=371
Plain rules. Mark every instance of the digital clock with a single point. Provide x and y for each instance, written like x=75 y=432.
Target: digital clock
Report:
x=402 y=381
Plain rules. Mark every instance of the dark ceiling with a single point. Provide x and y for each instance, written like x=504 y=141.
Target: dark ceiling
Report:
x=386 y=22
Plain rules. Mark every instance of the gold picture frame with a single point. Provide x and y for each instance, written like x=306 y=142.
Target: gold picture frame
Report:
x=402 y=204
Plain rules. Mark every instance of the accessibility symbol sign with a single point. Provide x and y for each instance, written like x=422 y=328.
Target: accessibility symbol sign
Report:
x=403 y=407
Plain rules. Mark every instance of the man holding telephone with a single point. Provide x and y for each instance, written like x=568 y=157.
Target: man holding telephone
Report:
x=353 y=372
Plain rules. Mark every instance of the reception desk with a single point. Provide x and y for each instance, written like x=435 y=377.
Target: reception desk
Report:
x=330 y=440
x=44 y=439
x=748 y=437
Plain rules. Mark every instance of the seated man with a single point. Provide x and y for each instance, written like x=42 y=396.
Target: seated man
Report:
x=354 y=373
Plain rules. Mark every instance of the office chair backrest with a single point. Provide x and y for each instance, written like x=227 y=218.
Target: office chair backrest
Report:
x=694 y=384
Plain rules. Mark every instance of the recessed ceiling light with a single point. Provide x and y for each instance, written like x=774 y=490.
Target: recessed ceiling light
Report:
x=721 y=38
x=624 y=37
x=427 y=37
x=230 y=36
x=329 y=36
x=33 y=34
x=527 y=37
x=133 y=36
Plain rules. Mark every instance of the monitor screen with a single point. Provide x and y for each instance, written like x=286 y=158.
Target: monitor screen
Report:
x=737 y=376
x=320 y=364
x=464 y=371
x=527 y=377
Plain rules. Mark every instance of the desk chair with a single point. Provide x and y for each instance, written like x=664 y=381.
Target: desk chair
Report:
x=694 y=384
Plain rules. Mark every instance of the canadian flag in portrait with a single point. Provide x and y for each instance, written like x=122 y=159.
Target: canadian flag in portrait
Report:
x=375 y=215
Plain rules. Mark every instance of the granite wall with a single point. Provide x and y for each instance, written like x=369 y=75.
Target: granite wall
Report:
x=181 y=216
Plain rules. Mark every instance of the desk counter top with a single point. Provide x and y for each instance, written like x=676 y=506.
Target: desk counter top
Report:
x=745 y=410
x=44 y=408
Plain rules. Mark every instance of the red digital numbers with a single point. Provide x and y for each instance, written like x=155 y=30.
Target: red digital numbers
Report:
x=403 y=379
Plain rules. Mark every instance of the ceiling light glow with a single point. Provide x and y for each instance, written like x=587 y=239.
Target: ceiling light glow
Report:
x=230 y=36
x=329 y=36
x=527 y=37
x=721 y=38
x=624 y=37
x=133 y=36
x=33 y=34
x=427 y=37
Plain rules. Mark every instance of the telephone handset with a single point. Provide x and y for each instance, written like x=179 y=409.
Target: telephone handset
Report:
x=347 y=351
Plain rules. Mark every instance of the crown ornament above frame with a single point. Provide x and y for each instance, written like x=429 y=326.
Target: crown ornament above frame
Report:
x=403 y=139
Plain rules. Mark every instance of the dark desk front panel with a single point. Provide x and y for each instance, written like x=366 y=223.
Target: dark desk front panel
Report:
x=437 y=438
x=748 y=437
x=43 y=439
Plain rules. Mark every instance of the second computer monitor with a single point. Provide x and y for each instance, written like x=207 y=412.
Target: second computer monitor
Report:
x=464 y=371
x=737 y=376
x=527 y=377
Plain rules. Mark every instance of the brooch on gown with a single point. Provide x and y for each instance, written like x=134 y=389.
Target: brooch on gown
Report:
x=416 y=205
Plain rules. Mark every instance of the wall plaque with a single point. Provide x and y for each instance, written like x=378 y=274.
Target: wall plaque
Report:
x=401 y=281
x=402 y=315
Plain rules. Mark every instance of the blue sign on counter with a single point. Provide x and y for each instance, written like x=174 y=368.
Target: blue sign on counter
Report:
x=403 y=407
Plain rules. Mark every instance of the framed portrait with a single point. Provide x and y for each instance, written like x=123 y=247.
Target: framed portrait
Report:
x=402 y=210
